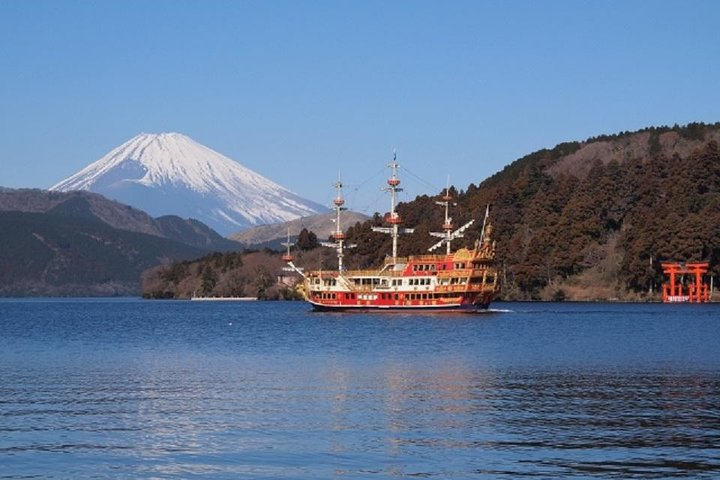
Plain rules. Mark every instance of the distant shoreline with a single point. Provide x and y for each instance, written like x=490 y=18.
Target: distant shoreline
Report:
x=253 y=299
x=223 y=299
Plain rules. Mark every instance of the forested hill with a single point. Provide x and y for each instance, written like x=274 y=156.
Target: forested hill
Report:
x=54 y=254
x=586 y=220
x=82 y=244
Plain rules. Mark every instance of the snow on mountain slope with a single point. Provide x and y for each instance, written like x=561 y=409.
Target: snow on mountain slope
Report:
x=171 y=174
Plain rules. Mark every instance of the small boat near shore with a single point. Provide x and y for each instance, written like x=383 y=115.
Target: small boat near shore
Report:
x=223 y=299
x=463 y=280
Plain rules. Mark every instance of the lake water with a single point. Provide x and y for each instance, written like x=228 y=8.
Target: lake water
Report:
x=132 y=389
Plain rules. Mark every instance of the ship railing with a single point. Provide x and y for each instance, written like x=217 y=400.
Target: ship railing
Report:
x=366 y=288
x=349 y=274
x=464 y=272
x=418 y=259
x=372 y=273
x=451 y=288
x=460 y=288
x=474 y=287
x=323 y=273
x=460 y=272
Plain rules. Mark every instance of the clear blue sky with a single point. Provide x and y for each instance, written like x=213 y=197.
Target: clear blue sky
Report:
x=297 y=90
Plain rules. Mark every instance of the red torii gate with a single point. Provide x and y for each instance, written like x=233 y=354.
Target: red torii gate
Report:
x=696 y=291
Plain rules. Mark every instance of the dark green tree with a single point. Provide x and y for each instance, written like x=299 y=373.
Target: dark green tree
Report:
x=208 y=280
x=307 y=240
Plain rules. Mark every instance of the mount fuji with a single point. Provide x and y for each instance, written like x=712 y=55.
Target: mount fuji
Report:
x=171 y=174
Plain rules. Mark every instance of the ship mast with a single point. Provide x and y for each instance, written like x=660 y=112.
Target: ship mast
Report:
x=447 y=234
x=393 y=218
x=338 y=236
x=288 y=258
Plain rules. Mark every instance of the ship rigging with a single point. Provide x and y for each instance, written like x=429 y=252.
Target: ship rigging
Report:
x=465 y=280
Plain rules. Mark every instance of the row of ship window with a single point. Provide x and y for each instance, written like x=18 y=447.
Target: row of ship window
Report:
x=424 y=267
x=387 y=296
x=398 y=282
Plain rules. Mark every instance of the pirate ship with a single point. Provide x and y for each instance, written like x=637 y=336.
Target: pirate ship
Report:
x=464 y=280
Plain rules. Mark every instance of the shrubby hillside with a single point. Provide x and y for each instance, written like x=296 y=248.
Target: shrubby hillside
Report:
x=588 y=220
x=47 y=254
x=252 y=273
x=82 y=244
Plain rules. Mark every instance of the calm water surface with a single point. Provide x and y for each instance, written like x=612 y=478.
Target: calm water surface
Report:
x=126 y=389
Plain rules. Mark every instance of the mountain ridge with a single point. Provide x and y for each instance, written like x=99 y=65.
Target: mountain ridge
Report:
x=114 y=214
x=321 y=224
x=171 y=174
x=53 y=254
x=82 y=244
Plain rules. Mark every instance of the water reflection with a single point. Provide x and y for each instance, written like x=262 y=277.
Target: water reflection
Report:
x=307 y=397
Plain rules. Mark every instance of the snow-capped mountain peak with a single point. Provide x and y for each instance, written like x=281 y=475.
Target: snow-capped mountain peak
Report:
x=169 y=173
